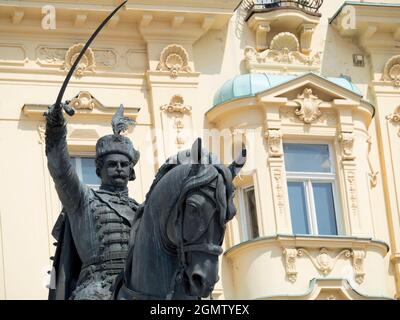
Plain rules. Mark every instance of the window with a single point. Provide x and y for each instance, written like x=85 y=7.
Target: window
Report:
x=311 y=187
x=248 y=213
x=86 y=169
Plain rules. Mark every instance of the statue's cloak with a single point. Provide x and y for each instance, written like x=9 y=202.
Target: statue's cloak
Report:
x=66 y=264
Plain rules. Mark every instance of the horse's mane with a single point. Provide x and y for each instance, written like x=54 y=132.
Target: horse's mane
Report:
x=198 y=179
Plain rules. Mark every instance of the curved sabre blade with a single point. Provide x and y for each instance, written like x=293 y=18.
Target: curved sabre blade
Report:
x=88 y=43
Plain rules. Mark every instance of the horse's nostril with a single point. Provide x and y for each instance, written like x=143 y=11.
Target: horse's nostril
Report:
x=197 y=280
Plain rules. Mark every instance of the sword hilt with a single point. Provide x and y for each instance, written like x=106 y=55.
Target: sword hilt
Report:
x=65 y=106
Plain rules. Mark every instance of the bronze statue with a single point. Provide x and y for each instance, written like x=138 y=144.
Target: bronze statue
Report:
x=180 y=228
x=93 y=230
x=173 y=239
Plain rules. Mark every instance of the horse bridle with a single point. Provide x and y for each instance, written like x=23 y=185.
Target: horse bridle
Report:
x=182 y=249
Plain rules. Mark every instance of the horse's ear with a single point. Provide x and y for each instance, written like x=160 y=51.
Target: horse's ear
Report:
x=196 y=151
x=238 y=163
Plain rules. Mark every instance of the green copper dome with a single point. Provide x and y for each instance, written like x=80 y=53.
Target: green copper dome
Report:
x=248 y=85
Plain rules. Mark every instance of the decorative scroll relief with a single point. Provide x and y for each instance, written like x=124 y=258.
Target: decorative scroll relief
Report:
x=306 y=34
x=290 y=264
x=395 y=118
x=309 y=106
x=177 y=109
x=391 y=71
x=288 y=116
x=358 y=265
x=274 y=137
x=284 y=56
x=174 y=59
x=284 y=49
x=84 y=100
x=346 y=140
x=324 y=262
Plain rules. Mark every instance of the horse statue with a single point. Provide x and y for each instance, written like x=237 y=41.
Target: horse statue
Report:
x=178 y=232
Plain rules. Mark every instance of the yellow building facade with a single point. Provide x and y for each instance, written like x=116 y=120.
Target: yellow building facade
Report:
x=311 y=87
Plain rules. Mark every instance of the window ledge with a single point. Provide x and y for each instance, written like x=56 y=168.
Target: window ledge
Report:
x=309 y=241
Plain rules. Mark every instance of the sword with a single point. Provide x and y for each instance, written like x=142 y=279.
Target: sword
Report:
x=58 y=103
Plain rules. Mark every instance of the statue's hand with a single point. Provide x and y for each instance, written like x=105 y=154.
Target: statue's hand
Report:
x=54 y=115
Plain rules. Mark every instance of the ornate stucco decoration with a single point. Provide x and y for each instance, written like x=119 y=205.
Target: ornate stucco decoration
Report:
x=274 y=137
x=350 y=176
x=324 y=262
x=284 y=53
x=358 y=265
x=279 y=199
x=372 y=174
x=86 y=64
x=176 y=104
x=84 y=100
x=391 y=72
x=56 y=57
x=48 y=56
x=290 y=264
x=309 y=106
x=346 y=140
x=174 y=59
x=41 y=129
x=285 y=40
x=177 y=110
x=395 y=118
x=105 y=58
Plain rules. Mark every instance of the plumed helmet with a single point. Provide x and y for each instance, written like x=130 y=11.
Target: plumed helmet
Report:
x=117 y=143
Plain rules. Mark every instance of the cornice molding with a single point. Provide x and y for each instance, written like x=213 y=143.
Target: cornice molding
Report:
x=86 y=107
x=312 y=242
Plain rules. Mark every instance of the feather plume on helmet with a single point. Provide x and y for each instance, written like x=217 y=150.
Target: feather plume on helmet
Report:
x=117 y=143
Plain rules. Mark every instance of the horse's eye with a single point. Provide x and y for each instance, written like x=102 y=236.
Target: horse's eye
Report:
x=192 y=209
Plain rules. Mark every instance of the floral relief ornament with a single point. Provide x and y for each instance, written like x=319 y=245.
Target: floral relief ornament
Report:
x=177 y=107
x=176 y=104
x=308 y=111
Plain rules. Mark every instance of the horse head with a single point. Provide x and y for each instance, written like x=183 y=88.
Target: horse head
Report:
x=196 y=226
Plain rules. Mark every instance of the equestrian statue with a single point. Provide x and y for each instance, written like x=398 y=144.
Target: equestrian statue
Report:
x=109 y=246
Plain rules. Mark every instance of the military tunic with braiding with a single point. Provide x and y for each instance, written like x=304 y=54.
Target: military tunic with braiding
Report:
x=100 y=221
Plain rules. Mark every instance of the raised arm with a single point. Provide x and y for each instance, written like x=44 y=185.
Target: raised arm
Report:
x=69 y=188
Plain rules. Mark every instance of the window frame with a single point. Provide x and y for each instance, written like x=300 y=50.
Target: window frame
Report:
x=244 y=216
x=308 y=178
x=78 y=169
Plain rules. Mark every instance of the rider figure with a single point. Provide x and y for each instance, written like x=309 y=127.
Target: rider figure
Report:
x=94 y=227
